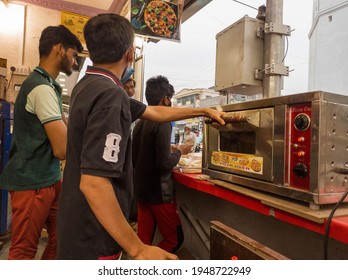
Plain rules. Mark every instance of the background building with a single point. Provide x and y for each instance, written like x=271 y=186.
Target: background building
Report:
x=328 y=42
x=202 y=98
x=194 y=98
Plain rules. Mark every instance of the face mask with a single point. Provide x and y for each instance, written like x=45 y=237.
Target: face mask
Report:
x=128 y=72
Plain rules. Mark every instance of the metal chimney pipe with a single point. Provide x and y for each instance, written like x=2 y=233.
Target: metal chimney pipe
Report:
x=273 y=49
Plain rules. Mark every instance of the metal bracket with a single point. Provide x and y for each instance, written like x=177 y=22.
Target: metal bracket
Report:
x=260 y=32
x=258 y=74
x=276 y=69
x=277 y=28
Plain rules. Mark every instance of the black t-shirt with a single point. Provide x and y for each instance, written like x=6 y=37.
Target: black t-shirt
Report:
x=99 y=144
x=153 y=162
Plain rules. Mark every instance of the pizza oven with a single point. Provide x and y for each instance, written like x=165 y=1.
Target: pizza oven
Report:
x=294 y=146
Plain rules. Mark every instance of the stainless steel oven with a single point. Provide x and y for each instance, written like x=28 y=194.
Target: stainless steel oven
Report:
x=294 y=146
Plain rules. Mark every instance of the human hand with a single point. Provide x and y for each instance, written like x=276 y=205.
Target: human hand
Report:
x=154 y=253
x=185 y=148
x=216 y=117
x=174 y=147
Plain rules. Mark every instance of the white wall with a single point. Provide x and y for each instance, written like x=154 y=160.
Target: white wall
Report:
x=11 y=33
x=328 y=56
x=20 y=29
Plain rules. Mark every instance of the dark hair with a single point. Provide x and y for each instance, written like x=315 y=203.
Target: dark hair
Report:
x=131 y=79
x=108 y=37
x=54 y=35
x=156 y=88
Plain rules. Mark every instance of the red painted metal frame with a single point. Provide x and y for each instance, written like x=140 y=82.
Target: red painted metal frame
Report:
x=338 y=228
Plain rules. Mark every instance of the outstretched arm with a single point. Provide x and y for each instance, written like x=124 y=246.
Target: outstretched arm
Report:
x=168 y=114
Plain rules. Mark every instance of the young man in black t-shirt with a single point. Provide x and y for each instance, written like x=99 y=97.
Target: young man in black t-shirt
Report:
x=153 y=161
x=98 y=180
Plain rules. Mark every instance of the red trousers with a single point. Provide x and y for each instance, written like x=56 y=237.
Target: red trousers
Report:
x=31 y=211
x=165 y=216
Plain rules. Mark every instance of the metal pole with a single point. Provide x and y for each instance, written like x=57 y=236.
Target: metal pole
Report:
x=274 y=49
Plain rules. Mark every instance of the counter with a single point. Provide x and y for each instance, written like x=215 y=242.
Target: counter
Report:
x=290 y=229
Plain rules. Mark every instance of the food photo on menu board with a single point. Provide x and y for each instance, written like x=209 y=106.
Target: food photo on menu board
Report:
x=156 y=18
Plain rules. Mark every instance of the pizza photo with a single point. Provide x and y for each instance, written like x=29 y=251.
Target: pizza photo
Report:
x=215 y=158
x=256 y=165
x=243 y=161
x=155 y=18
x=160 y=18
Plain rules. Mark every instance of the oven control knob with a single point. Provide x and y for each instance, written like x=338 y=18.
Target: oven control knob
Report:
x=300 y=170
x=301 y=153
x=302 y=122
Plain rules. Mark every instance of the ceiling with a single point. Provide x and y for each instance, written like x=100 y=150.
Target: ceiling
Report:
x=94 y=7
x=82 y=7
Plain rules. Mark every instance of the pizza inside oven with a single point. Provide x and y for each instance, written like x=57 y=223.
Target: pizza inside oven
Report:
x=160 y=18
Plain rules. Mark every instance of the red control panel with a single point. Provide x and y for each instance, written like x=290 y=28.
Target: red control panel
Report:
x=299 y=145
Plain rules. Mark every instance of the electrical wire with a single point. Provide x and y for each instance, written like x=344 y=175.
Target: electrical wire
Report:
x=287 y=48
x=328 y=223
x=246 y=5
x=9 y=82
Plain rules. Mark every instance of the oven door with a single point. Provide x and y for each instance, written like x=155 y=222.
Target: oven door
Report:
x=244 y=146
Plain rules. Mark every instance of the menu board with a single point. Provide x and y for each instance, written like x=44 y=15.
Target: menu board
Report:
x=75 y=23
x=156 y=19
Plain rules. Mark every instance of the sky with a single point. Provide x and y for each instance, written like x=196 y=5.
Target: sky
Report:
x=191 y=63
